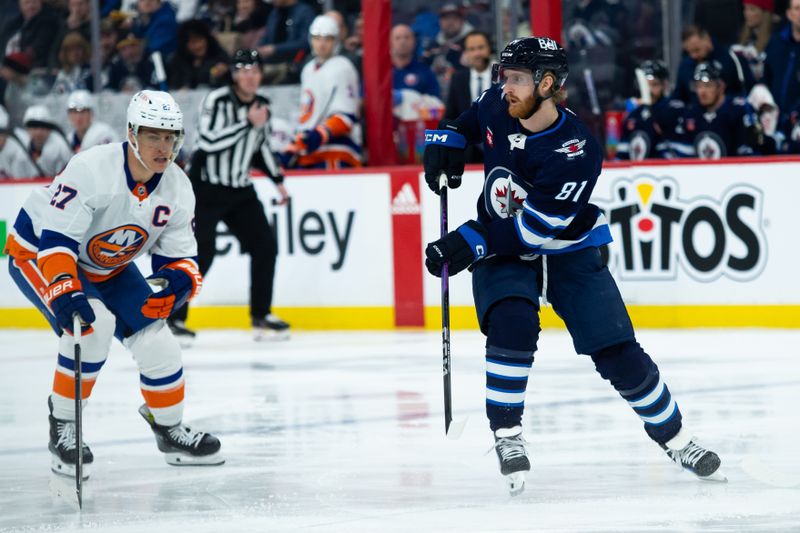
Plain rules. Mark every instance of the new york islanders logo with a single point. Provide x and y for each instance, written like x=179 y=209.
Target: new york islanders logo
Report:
x=117 y=246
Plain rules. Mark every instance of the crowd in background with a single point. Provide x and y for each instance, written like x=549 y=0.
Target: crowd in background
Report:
x=441 y=54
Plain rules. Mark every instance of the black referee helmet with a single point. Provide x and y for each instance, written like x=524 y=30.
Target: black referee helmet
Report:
x=245 y=57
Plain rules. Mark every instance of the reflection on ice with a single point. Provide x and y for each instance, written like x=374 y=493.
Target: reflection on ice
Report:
x=344 y=432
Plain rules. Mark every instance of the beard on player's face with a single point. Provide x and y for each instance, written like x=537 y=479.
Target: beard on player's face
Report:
x=521 y=107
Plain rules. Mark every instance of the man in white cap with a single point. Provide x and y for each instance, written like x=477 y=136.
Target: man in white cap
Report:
x=14 y=160
x=86 y=131
x=44 y=142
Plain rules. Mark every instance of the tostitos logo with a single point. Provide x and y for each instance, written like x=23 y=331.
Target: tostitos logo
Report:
x=117 y=246
x=656 y=232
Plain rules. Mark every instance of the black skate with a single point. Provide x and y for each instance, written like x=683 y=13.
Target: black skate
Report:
x=701 y=462
x=183 y=446
x=270 y=328
x=510 y=447
x=63 y=447
x=184 y=335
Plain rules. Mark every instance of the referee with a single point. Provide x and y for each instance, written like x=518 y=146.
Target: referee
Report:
x=233 y=137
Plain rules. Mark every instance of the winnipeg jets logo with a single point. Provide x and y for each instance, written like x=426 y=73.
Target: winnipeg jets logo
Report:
x=709 y=145
x=517 y=140
x=572 y=148
x=503 y=194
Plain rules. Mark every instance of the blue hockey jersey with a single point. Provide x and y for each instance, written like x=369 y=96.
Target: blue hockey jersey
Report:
x=647 y=130
x=536 y=192
x=725 y=132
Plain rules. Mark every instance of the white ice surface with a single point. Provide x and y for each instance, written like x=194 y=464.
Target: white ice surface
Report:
x=344 y=432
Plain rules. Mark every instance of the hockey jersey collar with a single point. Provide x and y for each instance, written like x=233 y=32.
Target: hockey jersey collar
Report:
x=140 y=190
x=554 y=127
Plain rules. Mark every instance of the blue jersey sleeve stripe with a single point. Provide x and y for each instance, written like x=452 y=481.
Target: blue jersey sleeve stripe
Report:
x=53 y=239
x=537 y=228
x=549 y=221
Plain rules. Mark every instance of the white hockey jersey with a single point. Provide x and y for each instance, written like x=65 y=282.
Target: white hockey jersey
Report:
x=55 y=153
x=15 y=162
x=95 y=212
x=332 y=88
x=98 y=133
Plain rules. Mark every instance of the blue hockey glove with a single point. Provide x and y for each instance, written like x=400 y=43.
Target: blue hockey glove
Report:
x=180 y=280
x=444 y=152
x=459 y=249
x=65 y=297
x=310 y=140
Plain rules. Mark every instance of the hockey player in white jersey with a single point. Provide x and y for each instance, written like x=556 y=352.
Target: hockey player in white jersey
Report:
x=329 y=132
x=86 y=131
x=14 y=160
x=44 y=141
x=72 y=249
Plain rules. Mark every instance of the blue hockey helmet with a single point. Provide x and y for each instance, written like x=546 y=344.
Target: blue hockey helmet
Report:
x=537 y=54
x=708 y=71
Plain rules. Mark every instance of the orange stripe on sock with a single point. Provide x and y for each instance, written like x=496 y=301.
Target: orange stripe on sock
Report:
x=163 y=398
x=64 y=385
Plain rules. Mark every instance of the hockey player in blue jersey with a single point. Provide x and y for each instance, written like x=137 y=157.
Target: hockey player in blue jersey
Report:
x=647 y=129
x=719 y=125
x=536 y=235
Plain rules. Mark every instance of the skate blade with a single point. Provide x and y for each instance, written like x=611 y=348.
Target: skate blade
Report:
x=717 y=477
x=67 y=470
x=456 y=428
x=270 y=336
x=183 y=459
x=516 y=483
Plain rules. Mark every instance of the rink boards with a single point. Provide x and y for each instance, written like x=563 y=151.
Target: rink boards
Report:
x=695 y=245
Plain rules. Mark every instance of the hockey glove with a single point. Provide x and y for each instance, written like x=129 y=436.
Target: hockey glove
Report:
x=444 y=152
x=66 y=298
x=459 y=249
x=310 y=140
x=180 y=281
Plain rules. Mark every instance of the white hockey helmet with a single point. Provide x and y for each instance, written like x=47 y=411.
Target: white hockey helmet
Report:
x=37 y=116
x=324 y=26
x=157 y=110
x=80 y=100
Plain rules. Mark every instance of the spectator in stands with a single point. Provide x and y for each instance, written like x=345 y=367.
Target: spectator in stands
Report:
x=782 y=66
x=755 y=35
x=791 y=131
x=444 y=54
x=285 y=39
x=721 y=19
x=720 y=125
x=79 y=18
x=648 y=129
x=14 y=71
x=44 y=141
x=14 y=160
x=407 y=72
x=108 y=49
x=354 y=44
x=155 y=23
x=249 y=21
x=86 y=131
x=700 y=48
x=130 y=71
x=73 y=59
x=468 y=84
x=34 y=29
x=199 y=60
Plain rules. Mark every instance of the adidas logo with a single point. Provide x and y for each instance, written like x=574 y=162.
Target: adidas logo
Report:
x=405 y=201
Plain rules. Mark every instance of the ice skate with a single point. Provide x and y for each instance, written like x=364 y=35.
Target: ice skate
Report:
x=183 y=446
x=184 y=335
x=510 y=447
x=699 y=461
x=63 y=447
x=270 y=328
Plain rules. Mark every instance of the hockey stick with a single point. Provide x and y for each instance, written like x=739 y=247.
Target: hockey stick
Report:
x=452 y=430
x=76 y=332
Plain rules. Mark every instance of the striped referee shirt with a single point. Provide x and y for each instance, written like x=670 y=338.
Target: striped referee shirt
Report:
x=229 y=144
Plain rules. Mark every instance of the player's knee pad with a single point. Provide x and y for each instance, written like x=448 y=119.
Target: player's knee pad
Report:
x=626 y=365
x=513 y=324
x=155 y=350
x=95 y=345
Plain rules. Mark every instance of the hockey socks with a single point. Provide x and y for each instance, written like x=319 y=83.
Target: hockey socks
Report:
x=506 y=381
